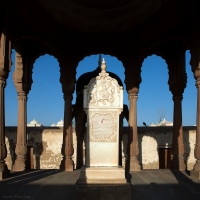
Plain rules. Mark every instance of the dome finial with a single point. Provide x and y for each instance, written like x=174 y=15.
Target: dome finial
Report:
x=103 y=65
x=99 y=61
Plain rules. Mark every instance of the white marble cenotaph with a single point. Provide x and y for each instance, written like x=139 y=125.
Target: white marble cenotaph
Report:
x=103 y=103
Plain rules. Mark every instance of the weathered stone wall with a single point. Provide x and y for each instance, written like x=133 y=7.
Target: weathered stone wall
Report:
x=47 y=143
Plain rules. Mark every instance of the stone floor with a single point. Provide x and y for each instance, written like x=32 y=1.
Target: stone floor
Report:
x=58 y=185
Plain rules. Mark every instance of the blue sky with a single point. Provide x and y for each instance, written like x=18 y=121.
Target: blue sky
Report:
x=45 y=99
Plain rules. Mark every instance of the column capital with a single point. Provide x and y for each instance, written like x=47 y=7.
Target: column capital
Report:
x=5 y=55
x=133 y=76
x=177 y=88
x=68 y=96
x=177 y=97
x=22 y=96
x=22 y=76
x=133 y=96
x=2 y=83
x=67 y=72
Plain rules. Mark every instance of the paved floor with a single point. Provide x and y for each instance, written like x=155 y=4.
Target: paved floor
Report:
x=58 y=185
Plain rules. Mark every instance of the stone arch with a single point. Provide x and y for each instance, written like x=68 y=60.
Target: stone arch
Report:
x=80 y=116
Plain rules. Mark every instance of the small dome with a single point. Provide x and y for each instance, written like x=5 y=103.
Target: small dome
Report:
x=60 y=123
x=53 y=125
x=34 y=123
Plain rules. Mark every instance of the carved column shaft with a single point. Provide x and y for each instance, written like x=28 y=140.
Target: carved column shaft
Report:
x=22 y=81
x=68 y=150
x=21 y=144
x=133 y=134
x=67 y=79
x=195 y=64
x=133 y=80
x=196 y=170
x=3 y=150
x=177 y=161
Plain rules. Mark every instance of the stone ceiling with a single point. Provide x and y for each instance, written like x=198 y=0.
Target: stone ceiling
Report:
x=101 y=16
x=106 y=26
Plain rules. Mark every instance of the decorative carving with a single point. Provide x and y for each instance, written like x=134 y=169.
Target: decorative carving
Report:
x=103 y=91
x=103 y=126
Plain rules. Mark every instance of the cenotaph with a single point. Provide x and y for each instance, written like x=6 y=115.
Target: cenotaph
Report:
x=102 y=177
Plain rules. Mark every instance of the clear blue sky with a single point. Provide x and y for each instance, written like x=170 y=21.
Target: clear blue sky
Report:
x=45 y=100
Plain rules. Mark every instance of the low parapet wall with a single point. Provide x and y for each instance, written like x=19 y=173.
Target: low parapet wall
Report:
x=46 y=143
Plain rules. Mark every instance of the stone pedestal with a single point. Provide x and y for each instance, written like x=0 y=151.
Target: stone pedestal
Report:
x=101 y=177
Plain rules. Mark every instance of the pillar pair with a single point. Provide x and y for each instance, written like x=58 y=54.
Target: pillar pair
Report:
x=177 y=83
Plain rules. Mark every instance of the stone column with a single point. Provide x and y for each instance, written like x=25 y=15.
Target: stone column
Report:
x=22 y=81
x=196 y=169
x=67 y=148
x=133 y=134
x=21 y=144
x=195 y=64
x=177 y=83
x=132 y=81
x=177 y=162
x=5 y=64
x=67 y=80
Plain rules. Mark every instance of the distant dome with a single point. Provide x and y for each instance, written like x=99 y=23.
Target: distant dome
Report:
x=164 y=122
x=53 y=124
x=59 y=124
x=34 y=123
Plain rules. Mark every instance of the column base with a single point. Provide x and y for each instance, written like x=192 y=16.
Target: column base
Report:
x=19 y=165
x=195 y=174
x=177 y=164
x=4 y=173
x=67 y=165
x=134 y=164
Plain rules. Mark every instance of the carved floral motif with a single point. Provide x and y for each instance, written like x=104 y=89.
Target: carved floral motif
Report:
x=103 y=91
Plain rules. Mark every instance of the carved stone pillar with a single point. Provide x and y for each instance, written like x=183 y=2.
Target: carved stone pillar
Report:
x=132 y=81
x=177 y=162
x=4 y=172
x=22 y=80
x=21 y=145
x=177 y=83
x=195 y=64
x=67 y=80
x=67 y=163
x=196 y=169
x=5 y=64
x=133 y=133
